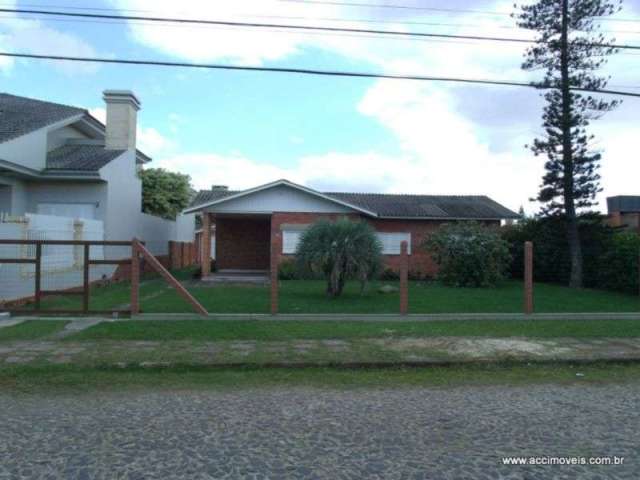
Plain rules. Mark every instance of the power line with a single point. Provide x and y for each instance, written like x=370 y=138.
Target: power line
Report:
x=305 y=71
x=412 y=7
x=332 y=19
x=393 y=6
x=286 y=26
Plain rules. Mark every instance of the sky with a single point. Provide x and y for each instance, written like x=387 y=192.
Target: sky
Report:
x=244 y=129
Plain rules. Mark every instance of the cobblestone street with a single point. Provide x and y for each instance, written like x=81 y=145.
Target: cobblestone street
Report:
x=430 y=433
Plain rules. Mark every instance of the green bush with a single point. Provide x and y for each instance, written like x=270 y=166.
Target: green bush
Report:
x=389 y=275
x=288 y=270
x=618 y=266
x=338 y=251
x=469 y=254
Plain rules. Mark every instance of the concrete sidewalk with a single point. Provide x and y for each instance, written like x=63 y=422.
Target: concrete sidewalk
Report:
x=349 y=352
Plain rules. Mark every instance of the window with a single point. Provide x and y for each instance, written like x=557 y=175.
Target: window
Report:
x=290 y=239
x=72 y=210
x=391 y=242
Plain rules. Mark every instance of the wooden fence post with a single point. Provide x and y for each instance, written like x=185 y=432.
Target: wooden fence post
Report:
x=38 y=288
x=135 y=278
x=404 y=278
x=528 y=278
x=274 y=277
x=172 y=255
x=85 y=283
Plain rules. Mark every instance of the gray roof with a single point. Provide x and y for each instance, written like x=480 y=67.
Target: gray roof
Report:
x=428 y=206
x=20 y=115
x=402 y=206
x=624 y=203
x=89 y=158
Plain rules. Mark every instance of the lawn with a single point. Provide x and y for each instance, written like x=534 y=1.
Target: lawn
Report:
x=64 y=379
x=227 y=330
x=31 y=330
x=308 y=297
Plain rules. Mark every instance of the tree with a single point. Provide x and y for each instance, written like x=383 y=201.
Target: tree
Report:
x=570 y=50
x=164 y=193
x=340 y=250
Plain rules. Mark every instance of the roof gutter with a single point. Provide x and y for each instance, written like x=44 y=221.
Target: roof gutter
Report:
x=31 y=174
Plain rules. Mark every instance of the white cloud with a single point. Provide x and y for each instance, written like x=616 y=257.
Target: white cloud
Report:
x=33 y=36
x=449 y=143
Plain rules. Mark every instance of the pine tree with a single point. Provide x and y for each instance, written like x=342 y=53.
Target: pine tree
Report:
x=570 y=49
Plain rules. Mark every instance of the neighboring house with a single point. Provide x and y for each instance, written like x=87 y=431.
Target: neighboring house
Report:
x=248 y=222
x=624 y=212
x=59 y=160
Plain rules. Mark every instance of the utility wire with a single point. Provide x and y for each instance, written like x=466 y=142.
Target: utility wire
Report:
x=325 y=19
x=305 y=71
x=286 y=26
x=411 y=7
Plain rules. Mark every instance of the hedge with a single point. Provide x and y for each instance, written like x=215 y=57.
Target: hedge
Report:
x=610 y=256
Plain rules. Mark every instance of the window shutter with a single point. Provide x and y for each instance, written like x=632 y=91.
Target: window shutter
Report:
x=391 y=242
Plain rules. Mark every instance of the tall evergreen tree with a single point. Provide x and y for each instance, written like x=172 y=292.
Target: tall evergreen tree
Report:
x=570 y=49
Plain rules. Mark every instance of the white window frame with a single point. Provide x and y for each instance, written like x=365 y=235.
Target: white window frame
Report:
x=391 y=242
x=290 y=240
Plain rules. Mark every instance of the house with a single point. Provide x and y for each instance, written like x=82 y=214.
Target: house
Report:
x=58 y=160
x=249 y=223
x=623 y=211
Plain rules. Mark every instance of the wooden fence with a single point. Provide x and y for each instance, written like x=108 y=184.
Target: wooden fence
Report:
x=131 y=263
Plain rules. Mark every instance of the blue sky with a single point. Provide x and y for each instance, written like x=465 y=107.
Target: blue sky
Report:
x=247 y=128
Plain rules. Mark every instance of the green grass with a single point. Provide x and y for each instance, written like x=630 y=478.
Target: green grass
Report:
x=31 y=330
x=309 y=297
x=219 y=330
x=65 y=379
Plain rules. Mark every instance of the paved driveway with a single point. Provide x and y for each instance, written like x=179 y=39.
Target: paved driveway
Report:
x=454 y=433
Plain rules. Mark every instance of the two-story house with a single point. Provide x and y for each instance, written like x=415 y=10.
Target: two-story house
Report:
x=59 y=160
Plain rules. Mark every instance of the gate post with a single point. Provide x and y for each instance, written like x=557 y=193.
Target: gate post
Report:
x=135 y=278
x=205 y=246
x=528 y=278
x=404 y=278
x=85 y=283
x=274 y=277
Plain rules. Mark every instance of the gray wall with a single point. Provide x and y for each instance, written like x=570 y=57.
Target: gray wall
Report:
x=124 y=197
x=68 y=192
x=5 y=198
x=279 y=199
x=17 y=200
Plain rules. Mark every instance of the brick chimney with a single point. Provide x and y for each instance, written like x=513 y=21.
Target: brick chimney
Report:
x=122 y=119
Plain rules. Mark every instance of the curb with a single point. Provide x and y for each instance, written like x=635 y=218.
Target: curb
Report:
x=394 y=317
x=370 y=365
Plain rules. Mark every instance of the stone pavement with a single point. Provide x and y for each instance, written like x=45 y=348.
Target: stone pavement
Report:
x=428 y=350
x=303 y=433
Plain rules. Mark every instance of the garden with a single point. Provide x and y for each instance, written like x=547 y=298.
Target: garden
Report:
x=339 y=271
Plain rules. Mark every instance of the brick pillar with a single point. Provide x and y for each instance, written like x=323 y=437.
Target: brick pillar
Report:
x=273 y=261
x=528 y=278
x=205 y=245
x=404 y=278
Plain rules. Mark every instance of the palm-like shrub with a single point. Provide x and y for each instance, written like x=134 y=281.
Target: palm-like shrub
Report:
x=338 y=251
x=469 y=254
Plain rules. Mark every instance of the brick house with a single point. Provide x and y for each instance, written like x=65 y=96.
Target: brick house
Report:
x=624 y=212
x=252 y=223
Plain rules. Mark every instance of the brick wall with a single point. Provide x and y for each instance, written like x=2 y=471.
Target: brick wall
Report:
x=280 y=219
x=242 y=244
x=419 y=260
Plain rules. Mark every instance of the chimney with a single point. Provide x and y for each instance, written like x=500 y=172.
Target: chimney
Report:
x=219 y=188
x=122 y=119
